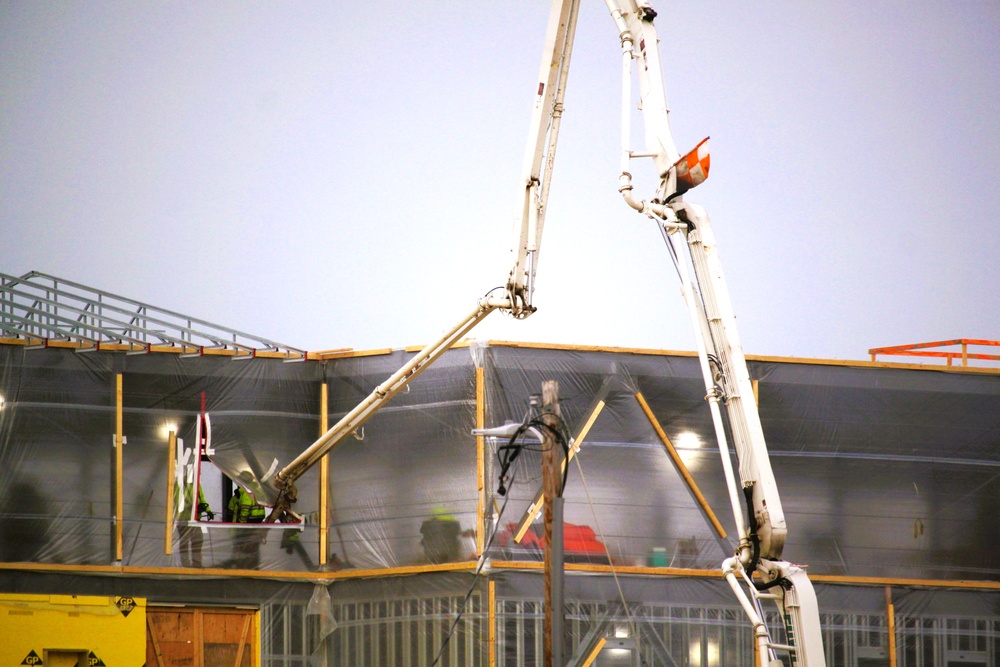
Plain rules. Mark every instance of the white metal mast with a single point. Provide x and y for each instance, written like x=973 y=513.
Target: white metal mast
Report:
x=688 y=233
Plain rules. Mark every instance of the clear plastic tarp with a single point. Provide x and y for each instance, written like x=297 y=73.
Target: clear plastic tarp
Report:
x=884 y=471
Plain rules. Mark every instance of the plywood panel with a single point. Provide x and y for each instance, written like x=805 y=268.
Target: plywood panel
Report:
x=197 y=637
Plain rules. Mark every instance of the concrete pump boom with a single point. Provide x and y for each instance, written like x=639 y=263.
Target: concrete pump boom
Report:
x=516 y=297
x=687 y=231
x=688 y=235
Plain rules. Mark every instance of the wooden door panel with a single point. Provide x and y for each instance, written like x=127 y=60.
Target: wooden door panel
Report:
x=200 y=637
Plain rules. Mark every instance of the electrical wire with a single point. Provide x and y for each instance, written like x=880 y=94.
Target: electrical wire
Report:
x=507 y=455
x=475 y=580
x=614 y=572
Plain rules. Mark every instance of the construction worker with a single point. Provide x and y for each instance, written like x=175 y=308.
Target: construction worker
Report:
x=440 y=537
x=193 y=537
x=244 y=509
x=246 y=541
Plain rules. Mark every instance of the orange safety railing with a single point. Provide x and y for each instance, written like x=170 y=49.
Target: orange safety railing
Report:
x=926 y=350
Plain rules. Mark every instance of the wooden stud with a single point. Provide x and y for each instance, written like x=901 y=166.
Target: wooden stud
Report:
x=550 y=485
x=324 y=477
x=153 y=640
x=491 y=616
x=890 y=614
x=480 y=461
x=119 y=442
x=168 y=531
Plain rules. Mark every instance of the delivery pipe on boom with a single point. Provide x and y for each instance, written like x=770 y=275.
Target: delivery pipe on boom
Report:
x=517 y=298
x=728 y=387
x=762 y=529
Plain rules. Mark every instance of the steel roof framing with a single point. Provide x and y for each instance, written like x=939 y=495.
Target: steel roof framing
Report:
x=39 y=308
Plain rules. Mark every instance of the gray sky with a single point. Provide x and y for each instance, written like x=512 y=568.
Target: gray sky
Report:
x=332 y=174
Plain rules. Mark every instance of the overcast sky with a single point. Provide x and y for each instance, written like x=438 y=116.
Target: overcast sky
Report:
x=333 y=174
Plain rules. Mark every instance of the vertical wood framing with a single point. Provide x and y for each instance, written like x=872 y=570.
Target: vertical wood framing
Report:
x=168 y=531
x=491 y=619
x=202 y=637
x=119 y=441
x=890 y=614
x=199 y=638
x=756 y=391
x=681 y=468
x=324 y=478
x=480 y=461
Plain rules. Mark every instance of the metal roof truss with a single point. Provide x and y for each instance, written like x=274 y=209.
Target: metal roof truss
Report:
x=40 y=308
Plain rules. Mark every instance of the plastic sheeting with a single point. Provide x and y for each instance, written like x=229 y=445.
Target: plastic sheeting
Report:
x=683 y=622
x=883 y=471
x=57 y=465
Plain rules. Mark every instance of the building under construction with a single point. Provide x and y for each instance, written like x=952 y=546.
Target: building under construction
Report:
x=114 y=414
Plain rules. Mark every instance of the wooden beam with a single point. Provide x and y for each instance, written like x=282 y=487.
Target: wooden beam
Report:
x=243 y=637
x=467 y=566
x=119 y=445
x=539 y=502
x=168 y=530
x=890 y=614
x=324 y=477
x=480 y=461
x=593 y=654
x=491 y=616
x=681 y=468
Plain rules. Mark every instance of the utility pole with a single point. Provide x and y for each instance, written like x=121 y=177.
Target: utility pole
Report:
x=554 y=635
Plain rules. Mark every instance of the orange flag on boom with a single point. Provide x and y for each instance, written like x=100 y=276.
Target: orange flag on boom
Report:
x=692 y=169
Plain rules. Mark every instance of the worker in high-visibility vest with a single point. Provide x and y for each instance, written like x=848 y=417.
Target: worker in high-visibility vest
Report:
x=246 y=541
x=203 y=509
x=192 y=537
x=441 y=537
x=244 y=509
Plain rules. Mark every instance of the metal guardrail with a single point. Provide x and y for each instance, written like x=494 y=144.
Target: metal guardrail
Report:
x=40 y=308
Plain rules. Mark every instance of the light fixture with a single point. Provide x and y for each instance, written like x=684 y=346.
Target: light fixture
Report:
x=167 y=428
x=688 y=445
x=694 y=652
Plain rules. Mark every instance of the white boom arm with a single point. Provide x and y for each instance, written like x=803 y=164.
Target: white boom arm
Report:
x=688 y=233
x=540 y=153
x=516 y=299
